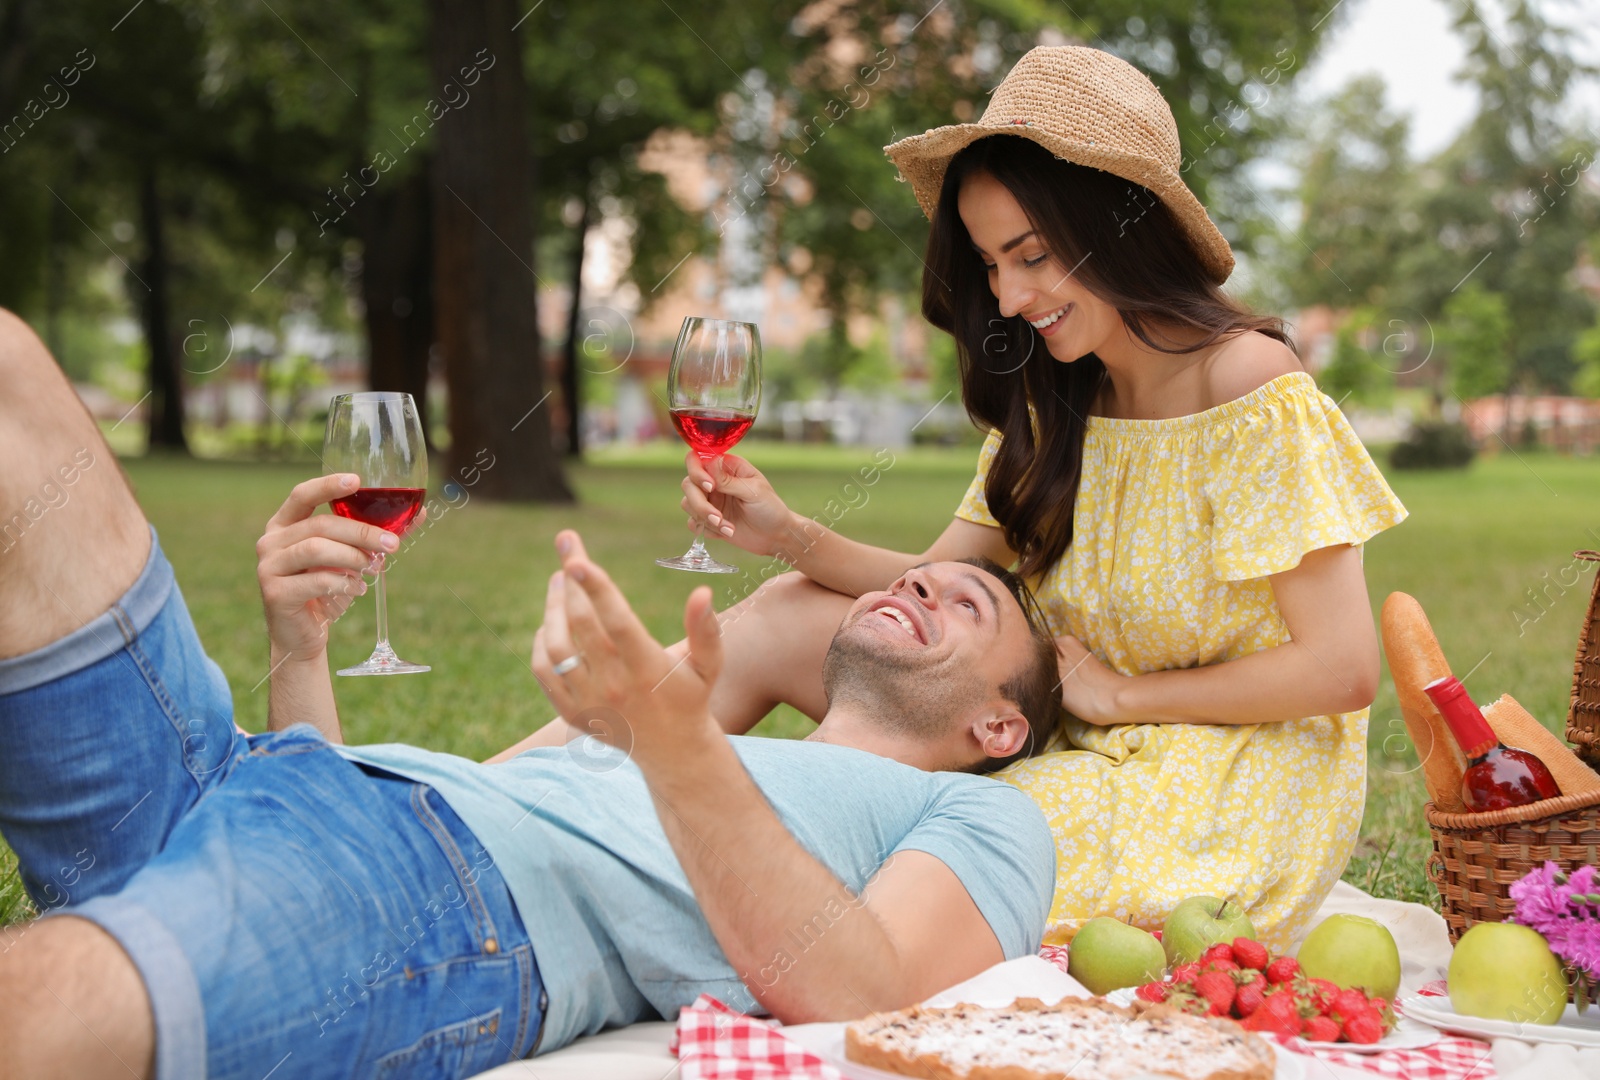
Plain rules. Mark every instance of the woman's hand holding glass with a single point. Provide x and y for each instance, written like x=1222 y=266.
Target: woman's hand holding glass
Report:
x=733 y=501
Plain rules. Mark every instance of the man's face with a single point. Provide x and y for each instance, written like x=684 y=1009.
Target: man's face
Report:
x=933 y=647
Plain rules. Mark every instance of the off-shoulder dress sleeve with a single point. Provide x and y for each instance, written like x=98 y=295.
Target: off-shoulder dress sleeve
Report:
x=1287 y=477
x=975 y=507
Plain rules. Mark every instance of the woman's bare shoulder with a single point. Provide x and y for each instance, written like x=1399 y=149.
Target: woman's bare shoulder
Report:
x=1245 y=362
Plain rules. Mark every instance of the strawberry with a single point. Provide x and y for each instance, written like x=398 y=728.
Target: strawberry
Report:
x=1364 y=1027
x=1277 y=1015
x=1321 y=1029
x=1250 y=954
x=1348 y=1003
x=1185 y=972
x=1156 y=934
x=1156 y=991
x=1249 y=997
x=1217 y=988
x=1221 y=963
x=1282 y=970
x=1220 y=951
x=1324 y=993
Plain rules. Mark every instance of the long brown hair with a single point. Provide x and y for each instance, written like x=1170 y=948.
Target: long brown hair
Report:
x=1123 y=244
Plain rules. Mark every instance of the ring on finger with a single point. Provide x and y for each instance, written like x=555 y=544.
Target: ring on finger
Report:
x=567 y=666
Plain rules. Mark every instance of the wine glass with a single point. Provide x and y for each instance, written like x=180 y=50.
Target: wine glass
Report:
x=713 y=392
x=378 y=436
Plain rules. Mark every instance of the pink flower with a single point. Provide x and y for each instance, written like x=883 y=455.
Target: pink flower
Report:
x=1541 y=902
x=1565 y=909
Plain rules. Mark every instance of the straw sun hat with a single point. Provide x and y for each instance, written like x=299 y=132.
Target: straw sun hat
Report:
x=1084 y=106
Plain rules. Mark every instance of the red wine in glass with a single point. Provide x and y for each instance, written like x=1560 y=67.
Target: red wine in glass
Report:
x=713 y=393
x=378 y=436
x=711 y=432
x=392 y=509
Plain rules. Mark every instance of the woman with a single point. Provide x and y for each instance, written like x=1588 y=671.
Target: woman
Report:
x=1188 y=505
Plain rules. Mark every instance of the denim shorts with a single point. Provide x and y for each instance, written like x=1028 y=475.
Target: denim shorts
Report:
x=107 y=737
x=299 y=915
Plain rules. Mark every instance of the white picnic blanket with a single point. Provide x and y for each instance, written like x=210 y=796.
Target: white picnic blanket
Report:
x=639 y=1052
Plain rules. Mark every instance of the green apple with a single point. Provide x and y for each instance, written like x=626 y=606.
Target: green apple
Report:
x=1352 y=950
x=1502 y=971
x=1200 y=922
x=1108 y=955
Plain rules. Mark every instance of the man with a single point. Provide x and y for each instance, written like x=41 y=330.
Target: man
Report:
x=244 y=904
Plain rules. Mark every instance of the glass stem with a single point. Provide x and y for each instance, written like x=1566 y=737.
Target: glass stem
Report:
x=697 y=550
x=383 y=606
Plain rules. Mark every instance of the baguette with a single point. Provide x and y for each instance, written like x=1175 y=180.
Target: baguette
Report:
x=1514 y=726
x=1415 y=660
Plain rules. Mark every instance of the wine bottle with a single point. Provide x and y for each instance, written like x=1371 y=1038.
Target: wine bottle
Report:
x=1498 y=776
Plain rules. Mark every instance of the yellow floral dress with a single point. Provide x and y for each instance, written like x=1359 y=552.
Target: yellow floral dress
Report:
x=1177 y=524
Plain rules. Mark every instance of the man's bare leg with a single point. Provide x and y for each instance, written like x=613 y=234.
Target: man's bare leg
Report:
x=72 y=1005
x=68 y=550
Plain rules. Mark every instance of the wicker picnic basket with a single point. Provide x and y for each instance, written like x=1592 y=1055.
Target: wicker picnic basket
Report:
x=1477 y=856
x=1583 y=714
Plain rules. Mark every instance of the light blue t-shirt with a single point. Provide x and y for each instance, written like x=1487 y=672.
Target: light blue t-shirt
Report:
x=613 y=920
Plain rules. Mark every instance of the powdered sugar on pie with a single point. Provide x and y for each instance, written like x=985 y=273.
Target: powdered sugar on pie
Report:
x=1077 y=1039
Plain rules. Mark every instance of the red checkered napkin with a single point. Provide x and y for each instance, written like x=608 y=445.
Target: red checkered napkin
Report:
x=714 y=1042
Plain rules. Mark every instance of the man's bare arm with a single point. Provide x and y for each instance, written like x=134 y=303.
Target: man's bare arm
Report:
x=914 y=931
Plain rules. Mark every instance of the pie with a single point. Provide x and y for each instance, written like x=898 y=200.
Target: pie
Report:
x=1078 y=1039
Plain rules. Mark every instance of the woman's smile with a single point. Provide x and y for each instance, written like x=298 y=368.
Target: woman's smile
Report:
x=1051 y=321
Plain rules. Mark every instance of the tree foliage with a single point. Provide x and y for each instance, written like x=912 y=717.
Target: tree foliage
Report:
x=1503 y=208
x=1355 y=371
x=291 y=148
x=1475 y=335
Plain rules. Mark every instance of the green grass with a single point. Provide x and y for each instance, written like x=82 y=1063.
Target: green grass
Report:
x=466 y=597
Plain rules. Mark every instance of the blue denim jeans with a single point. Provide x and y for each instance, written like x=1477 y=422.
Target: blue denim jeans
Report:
x=284 y=906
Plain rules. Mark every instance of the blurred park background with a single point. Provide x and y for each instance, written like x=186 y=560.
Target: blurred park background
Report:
x=217 y=213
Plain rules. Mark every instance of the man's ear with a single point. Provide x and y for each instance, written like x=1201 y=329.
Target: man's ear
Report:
x=1000 y=731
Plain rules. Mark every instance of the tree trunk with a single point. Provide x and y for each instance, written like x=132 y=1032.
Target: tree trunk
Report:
x=397 y=288
x=485 y=288
x=166 y=381
x=570 y=391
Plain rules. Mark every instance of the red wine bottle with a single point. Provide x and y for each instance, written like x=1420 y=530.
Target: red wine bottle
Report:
x=1498 y=776
x=711 y=431
x=388 y=508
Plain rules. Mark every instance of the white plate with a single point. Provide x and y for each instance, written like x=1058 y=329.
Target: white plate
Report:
x=1573 y=1030
x=827 y=1042
x=1405 y=1035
